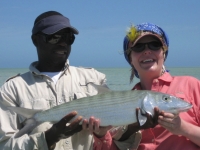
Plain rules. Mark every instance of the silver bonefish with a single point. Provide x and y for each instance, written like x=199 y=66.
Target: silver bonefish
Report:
x=114 y=108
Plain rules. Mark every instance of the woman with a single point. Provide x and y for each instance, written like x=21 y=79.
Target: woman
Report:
x=146 y=49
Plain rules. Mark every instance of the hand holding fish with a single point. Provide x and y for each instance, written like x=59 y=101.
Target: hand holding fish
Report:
x=93 y=125
x=60 y=131
x=178 y=126
x=151 y=121
x=171 y=122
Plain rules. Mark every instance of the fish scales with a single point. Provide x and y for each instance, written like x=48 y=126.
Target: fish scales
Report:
x=110 y=108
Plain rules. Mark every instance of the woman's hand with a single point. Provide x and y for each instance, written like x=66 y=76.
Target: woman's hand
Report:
x=178 y=126
x=171 y=122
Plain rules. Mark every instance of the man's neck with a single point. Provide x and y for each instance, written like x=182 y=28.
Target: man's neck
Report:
x=50 y=67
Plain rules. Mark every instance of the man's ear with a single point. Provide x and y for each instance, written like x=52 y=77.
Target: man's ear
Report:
x=34 y=39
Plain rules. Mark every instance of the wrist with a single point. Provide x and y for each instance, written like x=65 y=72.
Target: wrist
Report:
x=131 y=129
x=186 y=128
x=99 y=135
x=134 y=127
x=51 y=142
x=52 y=147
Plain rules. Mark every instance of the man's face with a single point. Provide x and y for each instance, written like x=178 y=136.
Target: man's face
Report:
x=53 y=54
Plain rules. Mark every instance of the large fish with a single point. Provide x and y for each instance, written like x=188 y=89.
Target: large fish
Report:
x=114 y=108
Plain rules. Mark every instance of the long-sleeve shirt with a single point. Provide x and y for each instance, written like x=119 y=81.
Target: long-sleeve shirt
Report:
x=35 y=90
x=186 y=88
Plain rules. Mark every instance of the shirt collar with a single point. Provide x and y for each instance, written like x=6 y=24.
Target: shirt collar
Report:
x=35 y=71
x=166 y=77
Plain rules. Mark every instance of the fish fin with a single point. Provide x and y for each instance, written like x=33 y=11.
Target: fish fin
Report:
x=27 y=113
x=101 y=88
x=30 y=124
x=141 y=118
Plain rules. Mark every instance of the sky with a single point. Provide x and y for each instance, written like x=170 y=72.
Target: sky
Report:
x=102 y=26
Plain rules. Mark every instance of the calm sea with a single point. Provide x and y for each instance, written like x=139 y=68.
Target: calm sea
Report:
x=117 y=78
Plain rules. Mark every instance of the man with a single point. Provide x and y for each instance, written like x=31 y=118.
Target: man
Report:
x=50 y=82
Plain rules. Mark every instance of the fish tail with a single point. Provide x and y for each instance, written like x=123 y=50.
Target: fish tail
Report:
x=30 y=124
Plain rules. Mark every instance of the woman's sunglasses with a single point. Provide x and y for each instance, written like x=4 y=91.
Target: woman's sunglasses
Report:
x=154 y=46
x=67 y=37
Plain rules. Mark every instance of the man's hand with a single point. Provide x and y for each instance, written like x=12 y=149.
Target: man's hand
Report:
x=93 y=125
x=134 y=127
x=151 y=121
x=60 y=130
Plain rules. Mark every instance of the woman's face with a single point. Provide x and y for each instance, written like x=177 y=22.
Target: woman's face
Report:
x=147 y=61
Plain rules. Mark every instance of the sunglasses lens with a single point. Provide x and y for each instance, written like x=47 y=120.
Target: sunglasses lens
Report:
x=155 y=45
x=67 y=37
x=53 y=39
x=139 y=47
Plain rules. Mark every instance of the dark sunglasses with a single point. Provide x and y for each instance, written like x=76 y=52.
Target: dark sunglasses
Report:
x=154 y=46
x=67 y=37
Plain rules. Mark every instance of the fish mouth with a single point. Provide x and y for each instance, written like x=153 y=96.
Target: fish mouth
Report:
x=183 y=109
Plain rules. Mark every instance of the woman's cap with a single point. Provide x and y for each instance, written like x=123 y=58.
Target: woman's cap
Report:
x=53 y=24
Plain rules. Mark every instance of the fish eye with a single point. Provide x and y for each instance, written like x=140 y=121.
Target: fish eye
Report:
x=166 y=98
